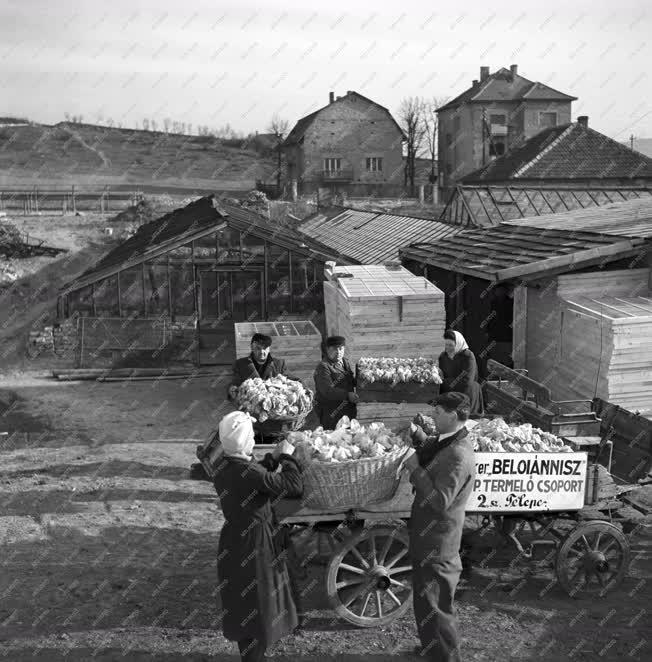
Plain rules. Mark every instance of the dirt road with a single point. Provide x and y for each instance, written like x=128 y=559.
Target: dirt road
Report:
x=108 y=549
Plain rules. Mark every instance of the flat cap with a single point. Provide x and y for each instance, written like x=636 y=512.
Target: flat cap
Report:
x=335 y=341
x=262 y=339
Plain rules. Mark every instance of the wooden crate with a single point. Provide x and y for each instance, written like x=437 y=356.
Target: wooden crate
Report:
x=383 y=311
x=396 y=416
x=397 y=393
x=298 y=342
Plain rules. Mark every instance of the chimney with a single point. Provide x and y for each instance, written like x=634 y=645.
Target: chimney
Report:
x=476 y=83
x=514 y=69
x=349 y=91
x=583 y=120
x=331 y=97
x=484 y=73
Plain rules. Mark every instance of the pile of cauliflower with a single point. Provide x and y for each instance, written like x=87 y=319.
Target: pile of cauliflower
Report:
x=497 y=436
x=394 y=371
x=349 y=441
x=278 y=397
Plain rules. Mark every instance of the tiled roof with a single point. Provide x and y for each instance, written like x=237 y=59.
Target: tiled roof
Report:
x=572 y=151
x=371 y=237
x=502 y=85
x=304 y=123
x=624 y=219
x=507 y=252
x=483 y=205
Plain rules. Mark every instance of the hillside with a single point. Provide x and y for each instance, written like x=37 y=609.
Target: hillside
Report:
x=84 y=154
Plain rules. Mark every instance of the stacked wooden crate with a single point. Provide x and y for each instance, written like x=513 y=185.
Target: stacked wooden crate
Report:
x=298 y=342
x=385 y=311
x=608 y=349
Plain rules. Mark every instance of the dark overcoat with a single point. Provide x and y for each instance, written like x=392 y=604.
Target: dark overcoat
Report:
x=245 y=368
x=461 y=375
x=443 y=483
x=333 y=383
x=253 y=579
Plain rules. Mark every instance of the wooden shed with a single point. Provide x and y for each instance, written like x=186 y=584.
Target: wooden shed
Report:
x=553 y=264
x=384 y=311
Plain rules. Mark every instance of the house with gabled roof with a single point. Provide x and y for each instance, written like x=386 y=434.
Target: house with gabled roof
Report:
x=572 y=154
x=498 y=111
x=351 y=145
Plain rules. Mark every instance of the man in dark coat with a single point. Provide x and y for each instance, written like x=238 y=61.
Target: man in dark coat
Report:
x=259 y=363
x=442 y=471
x=258 y=606
x=334 y=385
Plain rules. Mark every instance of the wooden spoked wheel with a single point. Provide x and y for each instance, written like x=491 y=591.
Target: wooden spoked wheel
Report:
x=593 y=559
x=369 y=580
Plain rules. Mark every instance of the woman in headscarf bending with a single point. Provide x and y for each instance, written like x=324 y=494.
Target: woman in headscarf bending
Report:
x=459 y=370
x=257 y=597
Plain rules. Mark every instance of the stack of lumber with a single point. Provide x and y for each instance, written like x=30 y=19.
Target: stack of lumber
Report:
x=396 y=416
x=607 y=349
x=298 y=342
x=384 y=311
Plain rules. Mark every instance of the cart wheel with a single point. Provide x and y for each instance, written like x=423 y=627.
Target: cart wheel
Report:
x=593 y=558
x=368 y=579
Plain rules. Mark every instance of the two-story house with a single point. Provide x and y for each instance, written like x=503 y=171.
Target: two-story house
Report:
x=495 y=114
x=353 y=144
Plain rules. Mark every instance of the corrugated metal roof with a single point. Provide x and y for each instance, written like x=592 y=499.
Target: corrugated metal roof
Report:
x=512 y=251
x=632 y=218
x=372 y=237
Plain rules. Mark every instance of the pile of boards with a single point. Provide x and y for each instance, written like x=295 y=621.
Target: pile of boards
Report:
x=385 y=311
x=608 y=349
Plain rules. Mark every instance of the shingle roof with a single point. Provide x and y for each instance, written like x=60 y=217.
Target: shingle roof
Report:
x=573 y=151
x=304 y=123
x=502 y=85
x=623 y=219
x=485 y=205
x=371 y=237
x=509 y=252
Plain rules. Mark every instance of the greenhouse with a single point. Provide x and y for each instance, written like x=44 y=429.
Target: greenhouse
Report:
x=209 y=265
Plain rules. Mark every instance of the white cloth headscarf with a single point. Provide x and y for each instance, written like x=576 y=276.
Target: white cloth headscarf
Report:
x=236 y=432
x=460 y=343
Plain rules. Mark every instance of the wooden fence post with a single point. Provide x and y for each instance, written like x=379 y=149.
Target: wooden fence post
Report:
x=74 y=202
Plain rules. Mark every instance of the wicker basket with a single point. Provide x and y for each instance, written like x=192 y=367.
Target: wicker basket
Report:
x=352 y=484
x=280 y=425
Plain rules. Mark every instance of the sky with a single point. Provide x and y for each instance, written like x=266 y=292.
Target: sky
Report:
x=214 y=63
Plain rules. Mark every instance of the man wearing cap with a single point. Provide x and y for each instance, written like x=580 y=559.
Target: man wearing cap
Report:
x=442 y=471
x=259 y=363
x=335 y=385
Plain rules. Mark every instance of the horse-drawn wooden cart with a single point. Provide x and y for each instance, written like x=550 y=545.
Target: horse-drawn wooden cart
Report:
x=368 y=574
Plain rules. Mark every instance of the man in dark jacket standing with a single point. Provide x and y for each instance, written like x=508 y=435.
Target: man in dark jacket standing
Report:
x=335 y=385
x=442 y=471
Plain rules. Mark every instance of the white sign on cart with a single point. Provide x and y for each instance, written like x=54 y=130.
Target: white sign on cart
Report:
x=517 y=482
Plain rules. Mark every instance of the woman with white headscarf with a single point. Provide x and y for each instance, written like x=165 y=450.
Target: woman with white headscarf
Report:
x=258 y=607
x=459 y=370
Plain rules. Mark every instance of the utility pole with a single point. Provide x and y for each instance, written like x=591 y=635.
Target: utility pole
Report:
x=484 y=141
x=631 y=141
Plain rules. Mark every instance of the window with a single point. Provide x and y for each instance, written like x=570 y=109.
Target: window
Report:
x=457 y=123
x=374 y=164
x=332 y=165
x=449 y=139
x=547 y=119
x=496 y=148
x=498 y=119
x=449 y=169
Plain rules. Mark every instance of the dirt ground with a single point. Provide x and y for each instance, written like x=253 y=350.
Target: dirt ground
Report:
x=108 y=548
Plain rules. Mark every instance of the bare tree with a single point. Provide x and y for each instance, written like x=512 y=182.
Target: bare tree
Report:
x=431 y=130
x=166 y=124
x=153 y=124
x=411 y=120
x=278 y=128
x=146 y=124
